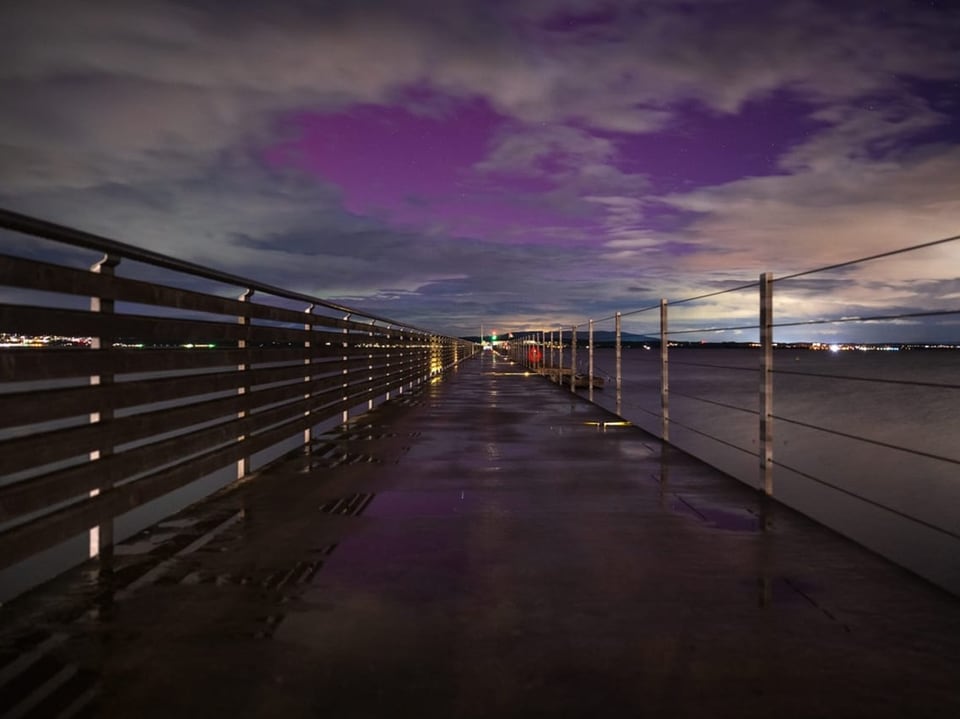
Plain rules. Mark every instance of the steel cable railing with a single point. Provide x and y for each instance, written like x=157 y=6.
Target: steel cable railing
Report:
x=875 y=442
x=873 y=318
x=878 y=380
x=713 y=438
x=716 y=403
x=870 y=258
x=867 y=500
x=677 y=352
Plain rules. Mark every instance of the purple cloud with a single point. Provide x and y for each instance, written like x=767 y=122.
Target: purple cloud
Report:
x=394 y=151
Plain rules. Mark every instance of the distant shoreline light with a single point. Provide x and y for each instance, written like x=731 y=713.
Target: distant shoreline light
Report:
x=10 y=340
x=18 y=341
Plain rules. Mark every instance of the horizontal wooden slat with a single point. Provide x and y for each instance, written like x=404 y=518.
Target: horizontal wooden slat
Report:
x=157 y=330
x=32 y=407
x=32 y=537
x=45 y=447
x=29 y=538
x=40 y=364
x=139 y=328
x=33 y=494
x=361 y=340
x=36 y=275
x=31 y=274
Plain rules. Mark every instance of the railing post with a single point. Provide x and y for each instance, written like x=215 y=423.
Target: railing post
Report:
x=370 y=361
x=766 y=383
x=243 y=464
x=402 y=354
x=573 y=358
x=664 y=374
x=553 y=347
x=308 y=361
x=590 y=360
x=560 y=355
x=345 y=415
x=417 y=348
x=619 y=362
x=101 y=536
x=386 y=369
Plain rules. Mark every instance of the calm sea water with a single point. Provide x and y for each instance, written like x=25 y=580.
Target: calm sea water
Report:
x=889 y=490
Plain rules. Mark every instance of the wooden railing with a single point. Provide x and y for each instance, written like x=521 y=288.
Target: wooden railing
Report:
x=169 y=384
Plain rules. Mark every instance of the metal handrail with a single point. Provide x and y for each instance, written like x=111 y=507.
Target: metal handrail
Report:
x=36 y=227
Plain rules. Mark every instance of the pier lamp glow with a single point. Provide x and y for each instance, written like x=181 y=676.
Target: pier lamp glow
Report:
x=436 y=358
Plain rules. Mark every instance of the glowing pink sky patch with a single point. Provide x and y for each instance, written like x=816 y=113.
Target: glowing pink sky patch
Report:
x=414 y=165
x=417 y=171
x=382 y=156
x=702 y=148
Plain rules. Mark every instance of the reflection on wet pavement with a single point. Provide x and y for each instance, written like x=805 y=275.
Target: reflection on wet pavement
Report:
x=488 y=546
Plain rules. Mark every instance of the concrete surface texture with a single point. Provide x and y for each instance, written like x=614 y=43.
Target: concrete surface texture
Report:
x=486 y=548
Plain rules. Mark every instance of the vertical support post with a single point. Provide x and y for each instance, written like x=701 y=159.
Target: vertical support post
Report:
x=416 y=347
x=345 y=416
x=573 y=358
x=243 y=464
x=370 y=362
x=664 y=374
x=101 y=537
x=553 y=347
x=402 y=354
x=560 y=355
x=308 y=377
x=619 y=356
x=590 y=360
x=766 y=383
x=386 y=370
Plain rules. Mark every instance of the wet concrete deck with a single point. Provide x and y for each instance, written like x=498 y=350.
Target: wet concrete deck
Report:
x=483 y=548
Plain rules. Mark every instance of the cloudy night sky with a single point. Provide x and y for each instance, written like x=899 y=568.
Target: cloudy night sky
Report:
x=520 y=163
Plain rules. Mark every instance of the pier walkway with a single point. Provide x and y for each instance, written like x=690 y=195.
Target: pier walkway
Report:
x=490 y=546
